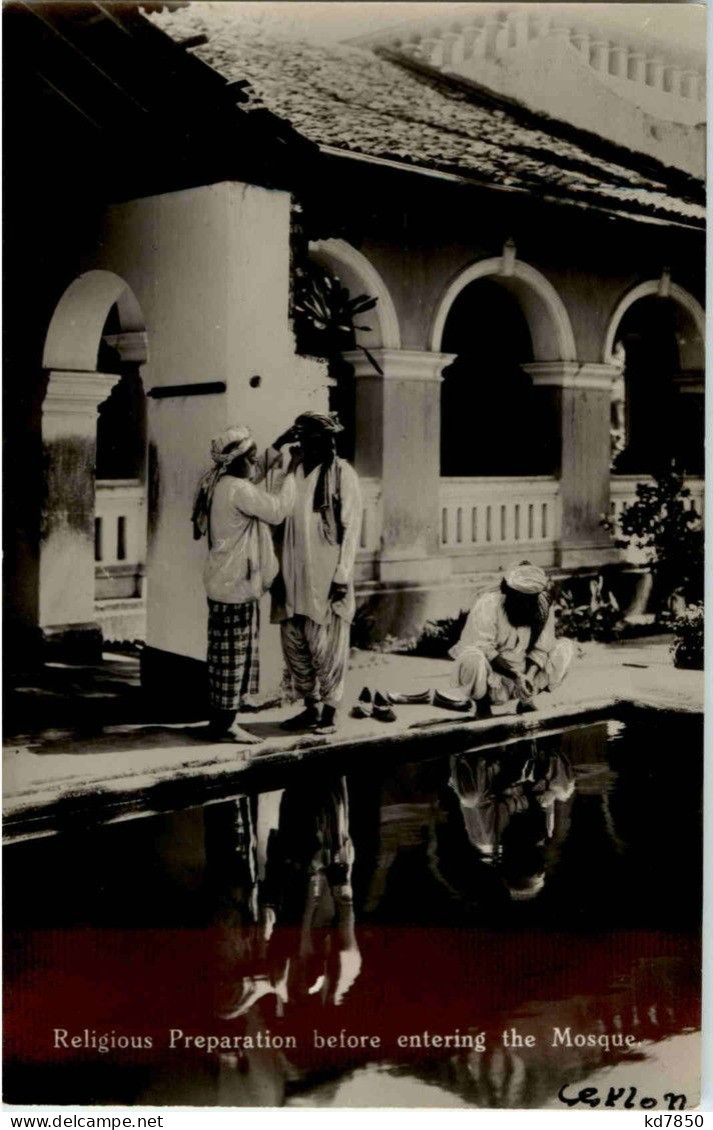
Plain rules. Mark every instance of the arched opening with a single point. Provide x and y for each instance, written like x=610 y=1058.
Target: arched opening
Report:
x=493 y=422
x=658 y=410
x=94 y=437
x=120 y=521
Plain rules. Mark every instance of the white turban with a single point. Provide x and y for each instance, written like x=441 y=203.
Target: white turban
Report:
x=238 y=438
x=529 y=579
x=228 y=446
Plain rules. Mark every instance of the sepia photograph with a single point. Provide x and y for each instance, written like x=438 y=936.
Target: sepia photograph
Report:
x=353 y=554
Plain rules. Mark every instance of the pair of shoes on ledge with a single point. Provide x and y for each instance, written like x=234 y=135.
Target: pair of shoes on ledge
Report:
x=377 y=707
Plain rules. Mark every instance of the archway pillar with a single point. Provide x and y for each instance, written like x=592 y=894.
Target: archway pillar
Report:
x=398 y=441
x=69 y=430
x=580 y=407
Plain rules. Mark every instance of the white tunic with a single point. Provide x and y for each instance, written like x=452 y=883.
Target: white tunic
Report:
x=241 y=563
x=488 y=630
x=309 y=563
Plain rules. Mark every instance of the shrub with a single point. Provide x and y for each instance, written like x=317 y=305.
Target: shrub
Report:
x=669 y=530
x=599 y=620
x=439 y=636
x=687 y=646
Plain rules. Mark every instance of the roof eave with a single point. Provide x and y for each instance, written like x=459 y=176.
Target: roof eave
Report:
x=474 y=182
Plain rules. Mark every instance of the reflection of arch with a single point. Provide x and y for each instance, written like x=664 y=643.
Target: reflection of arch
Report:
x=75 y=331
x=645 y=290
x=552 y=336
x=361 y=277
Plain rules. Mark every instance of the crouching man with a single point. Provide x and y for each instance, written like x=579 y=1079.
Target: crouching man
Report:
x=508 y=648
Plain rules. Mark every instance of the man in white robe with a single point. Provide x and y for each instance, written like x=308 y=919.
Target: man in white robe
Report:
x=508 y=649
x=316 y=605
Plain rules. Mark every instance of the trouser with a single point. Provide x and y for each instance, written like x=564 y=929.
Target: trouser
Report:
x=233 y=653
x=316 y=656
x=475 y=678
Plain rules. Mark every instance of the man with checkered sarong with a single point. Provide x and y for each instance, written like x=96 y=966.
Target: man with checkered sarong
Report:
x=235 y=514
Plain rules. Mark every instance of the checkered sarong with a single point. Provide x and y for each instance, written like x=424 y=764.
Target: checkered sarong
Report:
x=233 y=655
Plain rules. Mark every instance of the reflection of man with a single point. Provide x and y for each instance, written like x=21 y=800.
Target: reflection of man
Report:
x=316 y=605
x=508 y=807
x=307 y=947
x=508 y=647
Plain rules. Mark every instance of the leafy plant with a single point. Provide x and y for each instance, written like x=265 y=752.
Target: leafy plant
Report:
x=600 y=619
x=687 y=646
x=439 y=636
x=663 y=523
x=325 y=314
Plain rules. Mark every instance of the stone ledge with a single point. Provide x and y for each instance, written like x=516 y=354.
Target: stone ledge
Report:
x=181 y=778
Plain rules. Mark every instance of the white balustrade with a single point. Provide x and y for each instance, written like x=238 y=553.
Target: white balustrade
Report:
x=490 y=513
x=120 y=522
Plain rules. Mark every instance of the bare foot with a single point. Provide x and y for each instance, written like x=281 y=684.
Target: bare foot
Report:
x=242 y=737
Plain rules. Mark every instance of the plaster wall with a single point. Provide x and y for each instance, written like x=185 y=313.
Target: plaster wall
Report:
x=209 y=268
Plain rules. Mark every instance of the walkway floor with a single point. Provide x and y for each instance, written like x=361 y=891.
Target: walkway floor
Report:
x=105 y=758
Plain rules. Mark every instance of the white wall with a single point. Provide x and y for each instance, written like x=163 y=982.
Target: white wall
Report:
x=210 y=269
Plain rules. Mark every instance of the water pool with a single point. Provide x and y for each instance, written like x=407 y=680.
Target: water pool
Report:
x=478 y=929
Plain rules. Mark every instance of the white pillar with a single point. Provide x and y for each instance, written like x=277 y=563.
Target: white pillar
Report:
x=654 y=73
x=485 y=45
x=521 y=28
x=599 y=55
x=581 y=40
x=637 y=67
x=618 y=59
x=448 y=41
x=432 y=51
x=672 y=80
x=470 y=34
x=69 y=438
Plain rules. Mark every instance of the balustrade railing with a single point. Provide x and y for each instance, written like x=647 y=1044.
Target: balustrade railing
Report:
x=119 y=538
x=481 y=514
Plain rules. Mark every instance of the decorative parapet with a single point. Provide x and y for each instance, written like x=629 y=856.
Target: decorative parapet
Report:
x=495 y=34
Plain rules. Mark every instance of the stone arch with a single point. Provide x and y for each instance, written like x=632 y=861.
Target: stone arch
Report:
x=360 y=276
x=550 y=326
x=656 y=339
x=97 y=316
x=75 y=331
x=645 y=290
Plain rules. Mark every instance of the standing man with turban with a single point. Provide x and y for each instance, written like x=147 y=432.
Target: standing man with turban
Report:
x=235 y=514
x=314 y=604
x=508 y=648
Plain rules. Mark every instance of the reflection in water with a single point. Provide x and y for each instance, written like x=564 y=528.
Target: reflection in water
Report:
x=496 y=890
x=379 y=929
x=513 y=807
x=291 y=937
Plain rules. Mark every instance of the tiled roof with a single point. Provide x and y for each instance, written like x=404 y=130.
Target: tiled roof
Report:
x=348 y=98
